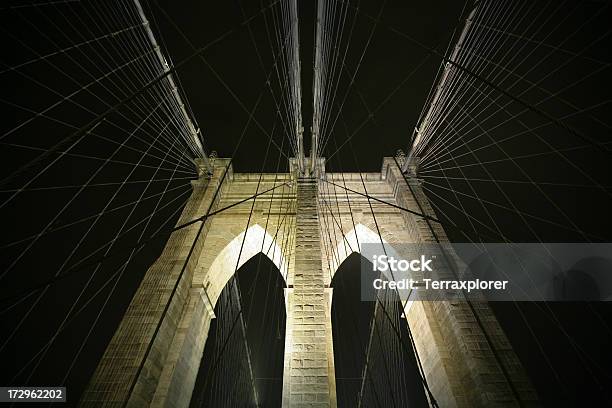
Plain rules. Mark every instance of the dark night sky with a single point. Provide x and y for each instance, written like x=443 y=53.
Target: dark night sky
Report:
x=579 y=360
x=387 y=60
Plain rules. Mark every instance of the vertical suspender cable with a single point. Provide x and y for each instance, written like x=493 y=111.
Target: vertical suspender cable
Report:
x=318 y=83
x=295 y=77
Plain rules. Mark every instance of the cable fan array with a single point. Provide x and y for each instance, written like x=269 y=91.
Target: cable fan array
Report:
x=288 y=73
x=517 y=107
x=328 y=66
x=100 y=160
x=513 y=139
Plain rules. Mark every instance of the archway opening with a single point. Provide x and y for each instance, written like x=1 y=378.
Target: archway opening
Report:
x=392 y=366
x=242 y=363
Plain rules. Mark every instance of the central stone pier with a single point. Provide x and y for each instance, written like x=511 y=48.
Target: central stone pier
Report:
x=309 y=378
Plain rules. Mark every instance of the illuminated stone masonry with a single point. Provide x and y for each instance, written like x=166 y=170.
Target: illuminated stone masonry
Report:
x=309 y=378
x=293 y=225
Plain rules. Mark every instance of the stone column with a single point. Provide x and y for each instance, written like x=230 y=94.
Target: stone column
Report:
x=111 y=383
x=460 y=361
x=309 y=375
x=179 y=374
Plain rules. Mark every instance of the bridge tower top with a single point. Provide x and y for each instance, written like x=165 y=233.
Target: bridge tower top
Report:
x=310 y=169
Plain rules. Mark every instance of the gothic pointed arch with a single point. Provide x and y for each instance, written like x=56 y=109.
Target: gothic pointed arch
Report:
x=360 y=239
x=236 y=253
x=364 y=241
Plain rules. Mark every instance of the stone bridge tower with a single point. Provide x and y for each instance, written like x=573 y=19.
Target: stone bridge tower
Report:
x=166 y=324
